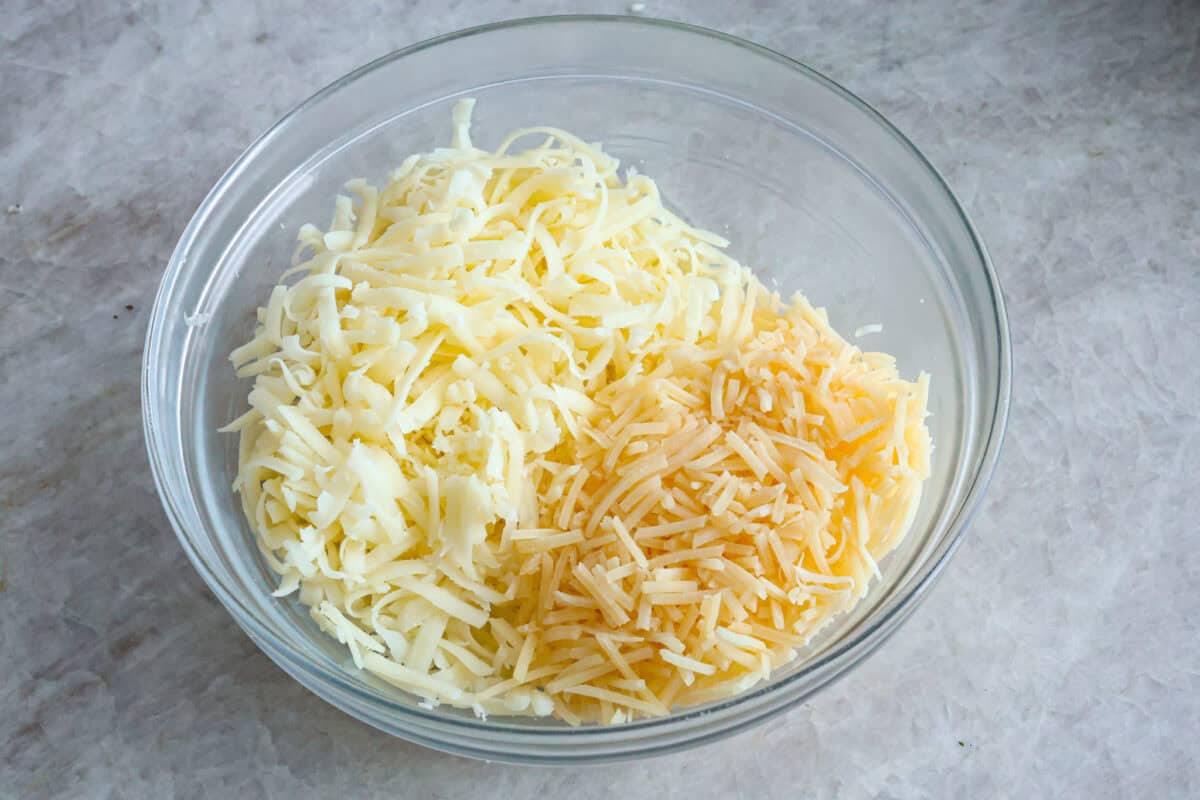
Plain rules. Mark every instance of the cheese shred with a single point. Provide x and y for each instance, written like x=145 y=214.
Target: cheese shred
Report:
x=527 y=443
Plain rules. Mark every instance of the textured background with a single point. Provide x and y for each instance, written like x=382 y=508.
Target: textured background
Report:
x=1058 y=657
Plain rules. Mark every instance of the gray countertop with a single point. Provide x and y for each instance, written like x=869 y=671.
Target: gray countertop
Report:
x=1058 y=657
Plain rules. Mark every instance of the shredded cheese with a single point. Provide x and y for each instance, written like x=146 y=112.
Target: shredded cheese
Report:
x=527 y=443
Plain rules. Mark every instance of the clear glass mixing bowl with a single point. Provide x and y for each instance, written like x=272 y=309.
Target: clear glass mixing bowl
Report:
x=813 y=187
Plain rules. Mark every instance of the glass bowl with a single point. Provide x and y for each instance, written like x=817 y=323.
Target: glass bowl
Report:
x=816 y=191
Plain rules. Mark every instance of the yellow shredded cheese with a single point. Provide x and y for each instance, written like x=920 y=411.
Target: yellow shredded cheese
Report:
x=526 y=442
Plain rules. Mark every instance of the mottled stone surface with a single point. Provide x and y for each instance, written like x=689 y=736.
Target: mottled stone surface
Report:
x=1058 y=657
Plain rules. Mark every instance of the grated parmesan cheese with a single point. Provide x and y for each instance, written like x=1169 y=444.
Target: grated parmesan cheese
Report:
x=527 y=443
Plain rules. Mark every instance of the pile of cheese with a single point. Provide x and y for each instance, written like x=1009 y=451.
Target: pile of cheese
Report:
x=526 y=442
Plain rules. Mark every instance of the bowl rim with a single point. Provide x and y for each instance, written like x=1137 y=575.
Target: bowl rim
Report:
x=867 y=638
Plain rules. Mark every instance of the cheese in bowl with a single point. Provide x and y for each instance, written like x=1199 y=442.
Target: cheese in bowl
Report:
x=526 y=442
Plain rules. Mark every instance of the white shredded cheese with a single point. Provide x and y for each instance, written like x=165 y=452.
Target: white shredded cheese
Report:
x=863 y=330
